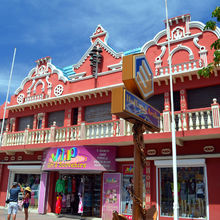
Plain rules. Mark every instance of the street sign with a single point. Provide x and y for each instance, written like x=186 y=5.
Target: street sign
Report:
x=137 y=75
x=128 y=106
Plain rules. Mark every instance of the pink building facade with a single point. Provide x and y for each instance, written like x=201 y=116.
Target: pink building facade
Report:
x=60 y=135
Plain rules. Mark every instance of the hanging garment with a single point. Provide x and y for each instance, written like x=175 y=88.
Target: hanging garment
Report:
x=69 y=185
x=81 y=187
x=80 y=208
x=58 y=204
x=73 y=185
x=64 y=201
x=60 y=186
x=68 y=200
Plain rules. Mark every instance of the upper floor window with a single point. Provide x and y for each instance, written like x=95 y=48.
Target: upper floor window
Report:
x=23 y=122
x=202 y=97
x=58 y=117
x=157 y=101
x=97 y=113
x=75 y=116
x=5 y=124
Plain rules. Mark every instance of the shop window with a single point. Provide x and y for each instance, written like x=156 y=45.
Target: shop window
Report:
x=191 y=192
x=81 y=194
x=127 y=187
x=58 y=117
x=75 y=116
x=24 y=122
x=98 y=113
x=202 y=97
x=157 y=101
x=33 y=181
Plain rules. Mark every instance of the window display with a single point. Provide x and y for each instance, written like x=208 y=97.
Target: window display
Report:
x=127 y=187
x=191 y=192
x=80 y=195
x=33 y=181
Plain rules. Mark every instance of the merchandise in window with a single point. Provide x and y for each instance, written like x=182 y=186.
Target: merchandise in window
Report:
x=127 y=187
x=191 y=192
x=33 y=181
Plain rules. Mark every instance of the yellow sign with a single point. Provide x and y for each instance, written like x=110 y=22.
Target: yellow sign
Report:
x=137 y=75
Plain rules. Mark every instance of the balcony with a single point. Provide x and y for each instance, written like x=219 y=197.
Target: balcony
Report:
x=193 y=124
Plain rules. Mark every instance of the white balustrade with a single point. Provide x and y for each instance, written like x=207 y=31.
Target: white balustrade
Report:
x=179 y=68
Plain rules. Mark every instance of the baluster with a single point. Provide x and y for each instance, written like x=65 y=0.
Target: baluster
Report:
x=46 y=136
x=49 y=134
x=156 y=71
x=190 y=121
x=202 y=120
x=64 y=134
x=161 y=71
x=67 y=134
x=180 y=67
x=184 y=66
x=128 y=130
x=194 y=65
x=78 y=130
x=190 y=66
x=175 y=69
x=209 y=122
x=197 y=121
x=184 y=122
x=36 y=135
x=42 y=136
x=92 y=131
x=57 y=135
x=102 y=130
x=117 y=129
x=179 y=123
x=166 y=71
x=111 y=129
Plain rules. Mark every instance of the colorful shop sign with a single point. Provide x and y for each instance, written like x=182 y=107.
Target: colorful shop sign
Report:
x=137 y=75
x=128 y=106
x=80 y=158
x=111 y=194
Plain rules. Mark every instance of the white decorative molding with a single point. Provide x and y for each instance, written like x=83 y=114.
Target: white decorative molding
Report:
x=77 y=75
x=181 y=47
x=201 y=48
x=100 y=31
x=158 y=59
x=180 y=33
x=30 y=76
x=58 y=90
x=29 y=89
x=38 y=83
x=20 y=98
x=209 y=149
x=102 y=45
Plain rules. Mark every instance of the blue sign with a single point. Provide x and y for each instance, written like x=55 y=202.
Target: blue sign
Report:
x=143 y=76
x=141 y=110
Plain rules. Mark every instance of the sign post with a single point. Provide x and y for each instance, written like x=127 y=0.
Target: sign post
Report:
x=129 y=104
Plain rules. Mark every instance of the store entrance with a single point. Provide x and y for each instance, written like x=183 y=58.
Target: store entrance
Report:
x=79 y=194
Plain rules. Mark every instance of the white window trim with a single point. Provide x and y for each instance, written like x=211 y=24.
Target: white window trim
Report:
x=25 y=169
x=181 y=163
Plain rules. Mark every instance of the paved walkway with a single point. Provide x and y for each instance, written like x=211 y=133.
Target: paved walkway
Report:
x=35 y=216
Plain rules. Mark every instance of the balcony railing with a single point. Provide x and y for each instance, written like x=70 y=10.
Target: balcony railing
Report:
x=180 y=68
x=189 y=120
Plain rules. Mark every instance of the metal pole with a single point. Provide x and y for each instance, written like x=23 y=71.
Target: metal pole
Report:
x=6 y=101
x=175 y=184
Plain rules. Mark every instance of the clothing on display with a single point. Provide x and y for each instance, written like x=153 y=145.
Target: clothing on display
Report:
x=191 y=192
x=81 y=194
x=32 y=181
x=59 y=204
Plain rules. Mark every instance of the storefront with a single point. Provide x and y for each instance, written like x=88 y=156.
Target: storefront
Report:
x=27 y=176
x=79 y=177
x=192 y=188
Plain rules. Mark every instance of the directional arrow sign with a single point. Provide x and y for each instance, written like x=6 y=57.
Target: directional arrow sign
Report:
x=137 y=75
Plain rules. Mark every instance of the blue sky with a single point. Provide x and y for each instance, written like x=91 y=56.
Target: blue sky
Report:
x=61 y=29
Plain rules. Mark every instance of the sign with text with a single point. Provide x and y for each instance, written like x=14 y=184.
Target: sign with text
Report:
x=81 y=158
x=111 y=194
x=128 y=106
x=137 y=75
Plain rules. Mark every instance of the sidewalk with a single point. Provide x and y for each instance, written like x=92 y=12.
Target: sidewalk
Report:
x=35 y=216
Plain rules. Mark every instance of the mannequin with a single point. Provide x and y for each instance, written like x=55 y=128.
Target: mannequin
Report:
x=183 y=197
x=80 y=194
x=200 y=196
x=191 y=195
